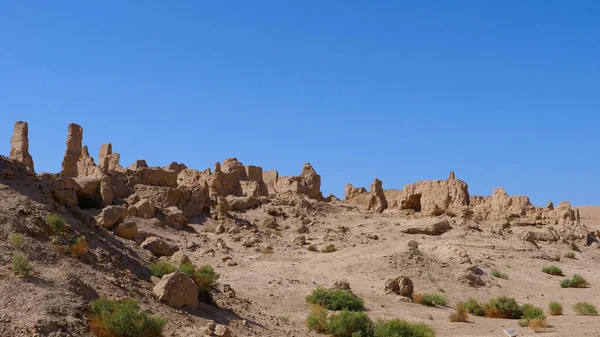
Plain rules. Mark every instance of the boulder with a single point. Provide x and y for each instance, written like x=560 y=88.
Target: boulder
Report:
x=174 y=217
x=126 y=230
x=240 y=204
x=425 y=226
x=401 y=285
x=19 y=144
x=157 y=246
x=111 y=216
x=177 y=290
x=144 y=209
x=179 y=259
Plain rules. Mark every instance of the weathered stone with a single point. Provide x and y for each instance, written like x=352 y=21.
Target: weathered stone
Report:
x=377 y=200
x=157 y=246
x=177 y=290
x=270 y=180
x=138 y=164
x=111 y=216
x=126 y=230
x=73 y=152
x=425 y=226
x=179 y=259
x=144 y=209
x=19 y=144
x=222 y=331
x=174 y=217
x=401 y=285
x=434 y=197
x=191 y=201
x=299 y=240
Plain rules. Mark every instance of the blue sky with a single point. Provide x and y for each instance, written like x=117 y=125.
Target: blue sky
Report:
x=505 y=93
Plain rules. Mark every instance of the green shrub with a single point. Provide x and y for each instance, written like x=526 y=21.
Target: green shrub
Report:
x=430 y=300
x=21 y=265
x=206 y=278
x=335 y=299
x=555 y=309
x=317 y=320
x=161 y=268
x=503 y=307
x=399 y=328
x=498 y=274
x=56 y=223
x=187 y=269
x=17 y=239
x=570 y=255
x=585 y=309
x=123 y=319
x=577 y=281
x=552 y=270
x=349 y=324
x=329 y=249
x=473 y=307
x=531 y=312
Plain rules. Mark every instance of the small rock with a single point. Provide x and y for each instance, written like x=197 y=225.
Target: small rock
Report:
x=126 y=230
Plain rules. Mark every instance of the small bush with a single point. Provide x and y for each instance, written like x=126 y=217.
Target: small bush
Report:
x=555 y=309
x=335 y=299
x=329 y=249
x=538 y=325
x=21 y=265
x=79 y=247
x=577 y=281
x=266 y=251
x=459 y=314
x=111 y=318
x=161 y=268
x=398 y=328
x=17 y=239
x=349 y=324
x=206 y=278
x=187 y=269
x=570 y=255
x=585 y=309
x=317 y=320
x=473 y=307
x=430 y=300
x=56 y=223
x=531 y=312
x=503 y=307
x=498 y=274
x=552 y=270
x=313 y=248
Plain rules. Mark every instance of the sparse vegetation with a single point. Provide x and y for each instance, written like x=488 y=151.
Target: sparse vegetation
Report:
x=110 y=318
x=585 y=309
x=17 y=239
x=503 y=307
x=577 y=281
x=329 y=249
x=79 y=247
x=21 y=265
x=349 y=324
x=430 y=300
x=552 y=270
x=556 y=258
x=56 y=223
x=499 y=274
x=538 y=325
x=206 y=278
x=555 y=309
x=317 y=320
x=473 y=307
x=161 y=268
x=278 y=233
x=570 y=255
x=399 y=328
x=209 y=228
x=531 y=312
x=187 y=269
x=459 y=314
x=335 y=299
x=266 y=251
x=312 y=248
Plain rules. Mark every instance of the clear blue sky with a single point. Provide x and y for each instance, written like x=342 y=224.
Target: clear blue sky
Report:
x=505 y=93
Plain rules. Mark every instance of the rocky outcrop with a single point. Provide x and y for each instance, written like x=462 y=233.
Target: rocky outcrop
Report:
x=157 y=246
x=111 y=216
x=189 y=200
x=177 y=290
x=435 y=197
x=352 y=192
x=377 y=201
x=19 y=144
x=73 y=152
x=401 y=285
x=306 y=184
x=138 y=164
